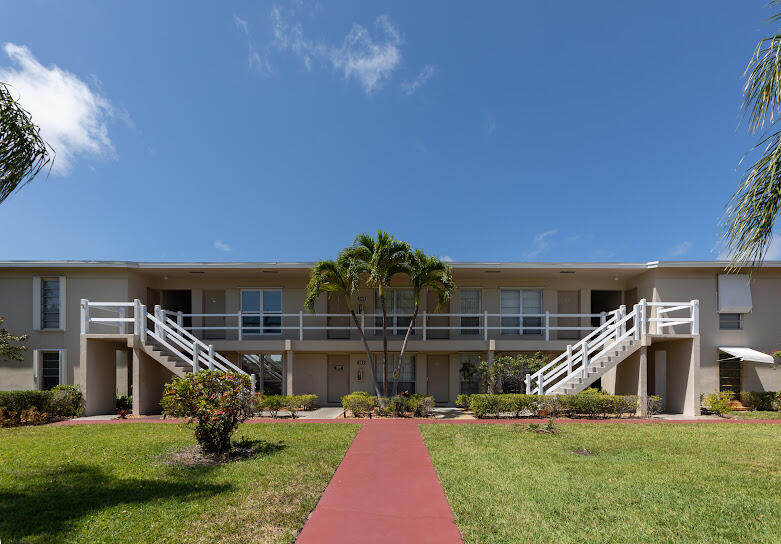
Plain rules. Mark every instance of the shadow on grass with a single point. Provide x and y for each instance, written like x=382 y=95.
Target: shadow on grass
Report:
x=53 y=500
x=194 y=458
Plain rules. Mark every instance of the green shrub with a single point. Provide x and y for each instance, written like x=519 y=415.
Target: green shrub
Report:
x=295 y=403
x=486 y=404
x=359 y=403
x=719 y=403
x=216 y=401
x=124 y=405
x=462 y=401
x=654 y=405
x=66 y=401
x=307 y=402
x=421 y=405
x=271 y=403
x=416 y=405
x=758 y=400
x=16 y=401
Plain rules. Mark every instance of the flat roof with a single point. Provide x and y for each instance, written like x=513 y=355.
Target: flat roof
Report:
x=308 y=264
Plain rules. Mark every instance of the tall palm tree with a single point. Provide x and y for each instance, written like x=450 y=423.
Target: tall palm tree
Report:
x=425 y=272
x=23 y=153
x=752 y=211
x=382 y=258
x=340 y=277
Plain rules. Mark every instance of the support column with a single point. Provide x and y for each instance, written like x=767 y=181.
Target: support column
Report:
x=288 y=377
x=642 y=383
x=98 y=368
x=149 y=379
x=660 y=375
x=585 y=308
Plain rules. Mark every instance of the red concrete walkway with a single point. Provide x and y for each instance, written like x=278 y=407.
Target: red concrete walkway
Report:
x=385 y=490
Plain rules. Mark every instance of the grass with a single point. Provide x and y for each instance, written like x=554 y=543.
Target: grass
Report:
x=759 y=414
x=114 y=483
x=714 y=483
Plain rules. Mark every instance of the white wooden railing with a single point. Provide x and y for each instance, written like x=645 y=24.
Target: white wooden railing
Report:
x=478 y=325
x=619 y=327
x=158 y=326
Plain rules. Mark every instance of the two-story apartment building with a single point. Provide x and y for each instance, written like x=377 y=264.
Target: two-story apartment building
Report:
x=676 y=329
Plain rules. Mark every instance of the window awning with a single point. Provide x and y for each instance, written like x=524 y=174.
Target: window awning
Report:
x=748 y=354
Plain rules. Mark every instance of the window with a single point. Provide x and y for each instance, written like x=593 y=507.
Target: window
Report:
x=397 y=301
x=48 y=364
x=50 y=303
x=517 y=303
x=470 y=383
x=267 y=369
x=264 y=307
x=730 y=322
x=469 y=301
x=407 y=374
x=729 y=374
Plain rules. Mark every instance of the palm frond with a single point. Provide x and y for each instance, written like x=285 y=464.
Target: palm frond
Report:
x=23 y=153
x=752 y=211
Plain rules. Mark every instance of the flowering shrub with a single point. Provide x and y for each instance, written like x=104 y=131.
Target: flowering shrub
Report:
x=215 y=401
x=719 y=403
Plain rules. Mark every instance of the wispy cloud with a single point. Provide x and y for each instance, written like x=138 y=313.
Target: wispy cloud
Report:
x=370 y=60
x=425 y=74
x=221 y=246
x=681 y=249
x=447 y=258
x=540 y=243
x=773 y=251
x=490 y=123
x=254 y=57
x=72 y=116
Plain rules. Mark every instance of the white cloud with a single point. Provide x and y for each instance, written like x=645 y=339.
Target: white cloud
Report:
x=425 y=74
x=222 y=246
x=773 y=251
x=446 y=258
x=253 y=56
x=540 y=243
x=72 y=117
x=362 y=57
x=490 y=123
x=681 y=249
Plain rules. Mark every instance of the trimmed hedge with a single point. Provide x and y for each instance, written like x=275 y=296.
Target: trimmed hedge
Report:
x=760 y=400
x=361 y=404
x=33 y=407
x=590 y=403
x=293 y=403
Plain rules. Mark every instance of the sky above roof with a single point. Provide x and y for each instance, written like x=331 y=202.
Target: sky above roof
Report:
x=261 y=131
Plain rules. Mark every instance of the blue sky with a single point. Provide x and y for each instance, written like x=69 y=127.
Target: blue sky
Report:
x=542 y=131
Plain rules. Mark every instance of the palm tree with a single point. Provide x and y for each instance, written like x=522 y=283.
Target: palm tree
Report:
x=425 y=272
x=752 y=211
x=382 y=259
x=23 y=153
x=340 y=277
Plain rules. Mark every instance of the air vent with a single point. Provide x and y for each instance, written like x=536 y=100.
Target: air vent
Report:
x=566 y=271
x=197 y=272
x=492 y=271
x=270 y=272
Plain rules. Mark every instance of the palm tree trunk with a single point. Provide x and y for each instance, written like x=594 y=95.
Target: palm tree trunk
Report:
x=397 y=369
x=368 y=352
x=384 y=345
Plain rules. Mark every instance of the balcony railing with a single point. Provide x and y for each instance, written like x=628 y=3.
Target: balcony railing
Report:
x=663 y=318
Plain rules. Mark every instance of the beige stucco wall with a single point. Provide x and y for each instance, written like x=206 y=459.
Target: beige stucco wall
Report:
x=16 y=304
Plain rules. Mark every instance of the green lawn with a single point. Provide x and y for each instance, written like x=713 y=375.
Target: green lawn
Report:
x=114 y=483
x=755 y=415
x=714 y=483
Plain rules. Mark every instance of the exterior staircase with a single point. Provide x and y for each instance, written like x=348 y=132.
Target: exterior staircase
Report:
x=615 y=340
x=162 y=338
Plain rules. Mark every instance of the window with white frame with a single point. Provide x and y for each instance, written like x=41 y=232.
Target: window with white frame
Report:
x=469 y=303
x=399 y=304
x=49 y=368
x=261 y=311
x=516 y=303
x=49 y=303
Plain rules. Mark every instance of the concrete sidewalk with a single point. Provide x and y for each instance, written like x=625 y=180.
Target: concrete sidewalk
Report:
x=385 y=491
